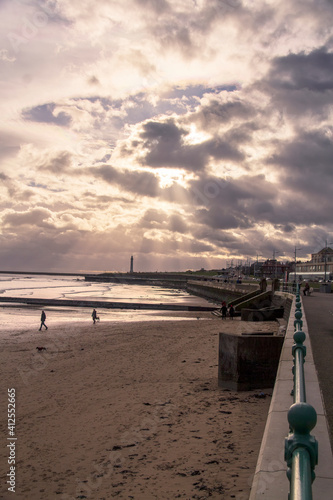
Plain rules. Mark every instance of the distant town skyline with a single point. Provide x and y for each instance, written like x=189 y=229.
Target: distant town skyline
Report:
x=184 y=133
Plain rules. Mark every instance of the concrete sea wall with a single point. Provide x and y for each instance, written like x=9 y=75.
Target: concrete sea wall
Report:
x=218 y=292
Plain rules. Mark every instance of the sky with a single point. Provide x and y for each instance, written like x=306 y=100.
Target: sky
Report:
x=187 y=133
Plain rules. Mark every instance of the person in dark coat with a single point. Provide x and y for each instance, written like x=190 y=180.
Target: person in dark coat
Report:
x=94 y=316
x=42 y=320
x=224 y=310
x=231 y=311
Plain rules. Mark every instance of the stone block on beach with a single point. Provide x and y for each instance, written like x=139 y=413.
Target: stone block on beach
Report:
x=248 y=361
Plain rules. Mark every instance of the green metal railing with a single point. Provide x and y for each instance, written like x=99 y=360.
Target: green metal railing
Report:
x=301 y=449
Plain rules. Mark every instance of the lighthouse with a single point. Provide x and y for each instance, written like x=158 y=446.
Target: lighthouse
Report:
x=131 y=268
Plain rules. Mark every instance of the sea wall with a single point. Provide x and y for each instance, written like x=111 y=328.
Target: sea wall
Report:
x=219 y=292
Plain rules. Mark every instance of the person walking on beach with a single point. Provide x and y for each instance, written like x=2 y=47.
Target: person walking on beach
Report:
x=231 y=311
x=42 y=320
x=94 y=316
x=224 y=310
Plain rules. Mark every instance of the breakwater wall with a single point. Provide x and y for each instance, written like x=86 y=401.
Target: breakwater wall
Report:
x=124 y=280
x=103 y=305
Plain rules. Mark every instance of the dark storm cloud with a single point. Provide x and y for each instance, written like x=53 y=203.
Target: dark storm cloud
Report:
x=311 y=71
x=306 y=163
x=226 y=148
x=177 y=224
x=154 y=130
x=142 y=183
x=302 y=83
x=216 y=113
x=306 y=174
x=220 y=239
x=233 y=203
x=308 y=149
x=163 y=145
x=218 y=217
x=233 y=192
x=44 y=114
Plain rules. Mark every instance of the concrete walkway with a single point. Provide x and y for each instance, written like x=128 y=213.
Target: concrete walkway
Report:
x=318 y=309
x=270 y=481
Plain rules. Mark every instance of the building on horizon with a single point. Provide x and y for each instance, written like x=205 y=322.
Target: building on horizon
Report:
x=131 y=267
x=272 y=268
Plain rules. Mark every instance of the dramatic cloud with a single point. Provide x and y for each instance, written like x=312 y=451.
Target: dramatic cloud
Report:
x=185 y=133
x=303 y=71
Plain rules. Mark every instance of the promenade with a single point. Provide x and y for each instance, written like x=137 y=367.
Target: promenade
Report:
x=270 y=480
x=318 y=309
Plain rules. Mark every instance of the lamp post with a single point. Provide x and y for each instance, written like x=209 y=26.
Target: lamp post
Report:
x=274 y=259
x=255 y=266
x=325 y=262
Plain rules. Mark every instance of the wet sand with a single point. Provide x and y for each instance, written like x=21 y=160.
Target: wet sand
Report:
x=128 y=410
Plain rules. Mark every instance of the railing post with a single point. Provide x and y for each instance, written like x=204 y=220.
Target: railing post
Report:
x=301 y=449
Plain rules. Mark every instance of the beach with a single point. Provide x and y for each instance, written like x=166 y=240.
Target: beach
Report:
x=128 y=410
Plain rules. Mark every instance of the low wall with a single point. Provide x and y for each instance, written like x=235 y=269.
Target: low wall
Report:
x=287 y=299
x=256 y=301
x=266 y=306
x=264 y=314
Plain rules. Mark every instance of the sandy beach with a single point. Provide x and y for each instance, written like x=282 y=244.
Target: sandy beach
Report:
x=130 y=411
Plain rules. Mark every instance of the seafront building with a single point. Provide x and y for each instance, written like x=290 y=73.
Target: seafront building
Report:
x=274 y=269
x=320 y=265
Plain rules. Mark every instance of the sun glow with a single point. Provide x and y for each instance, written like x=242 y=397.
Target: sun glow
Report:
x=195 y=137
x=168 y=177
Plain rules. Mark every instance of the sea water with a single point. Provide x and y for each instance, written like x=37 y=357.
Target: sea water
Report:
x=18 y=316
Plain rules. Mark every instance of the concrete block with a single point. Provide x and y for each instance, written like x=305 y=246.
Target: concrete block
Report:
x=249 y=361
